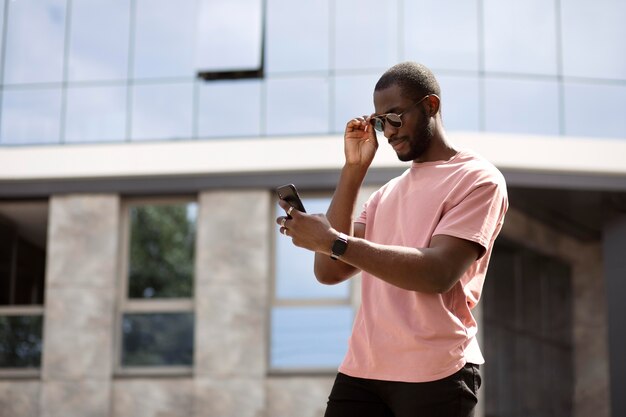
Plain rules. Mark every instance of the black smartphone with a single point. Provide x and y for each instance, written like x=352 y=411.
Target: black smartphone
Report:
x=289 y=193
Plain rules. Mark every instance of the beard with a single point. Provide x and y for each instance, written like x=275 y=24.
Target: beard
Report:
x=419 y=142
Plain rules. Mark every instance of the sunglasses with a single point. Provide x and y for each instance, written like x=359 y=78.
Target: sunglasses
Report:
x=395 y=120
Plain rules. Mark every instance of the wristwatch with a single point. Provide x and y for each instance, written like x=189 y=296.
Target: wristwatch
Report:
x=339 y=246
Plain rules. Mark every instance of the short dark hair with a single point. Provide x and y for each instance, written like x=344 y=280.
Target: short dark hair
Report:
x=415 y=80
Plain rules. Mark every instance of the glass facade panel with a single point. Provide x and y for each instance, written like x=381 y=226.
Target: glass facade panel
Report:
x=309 y=337
x=229 y=108
x=354 y=97
x=31 y=116
x=162 y=111
x=164 y=38
x=297 y=106
x=20 y=341
x=460 y=102
x=366 y=34
x=520 y=37
x=593 y=38
x=297 y=35
x=229 y=35
x=35 y=35
x=609 y=121
x=97 y=51
x=162 y=250
x=455 y=49
x=522 y=106
x=294 y=266
x=157 y=339
x=95 y=114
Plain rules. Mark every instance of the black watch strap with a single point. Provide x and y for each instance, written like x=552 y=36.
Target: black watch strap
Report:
x=339 y=246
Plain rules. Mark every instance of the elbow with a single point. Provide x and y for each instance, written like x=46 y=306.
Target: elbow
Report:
x=327 y=278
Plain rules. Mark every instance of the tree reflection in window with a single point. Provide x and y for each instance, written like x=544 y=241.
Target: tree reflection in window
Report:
x=162 y=251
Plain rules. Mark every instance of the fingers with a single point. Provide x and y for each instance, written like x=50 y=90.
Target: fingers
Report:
x=288 y=208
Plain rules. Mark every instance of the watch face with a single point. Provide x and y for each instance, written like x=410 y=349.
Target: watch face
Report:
x=339 y=247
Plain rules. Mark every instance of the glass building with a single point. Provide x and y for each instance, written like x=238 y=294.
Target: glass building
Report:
x=141 y=272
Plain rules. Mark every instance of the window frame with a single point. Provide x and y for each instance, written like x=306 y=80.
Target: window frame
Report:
x=352 y=300
x=127 y=305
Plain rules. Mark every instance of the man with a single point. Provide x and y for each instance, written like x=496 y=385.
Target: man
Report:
x=422 y=242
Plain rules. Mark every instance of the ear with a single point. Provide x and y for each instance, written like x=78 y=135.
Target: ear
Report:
x=433 y=102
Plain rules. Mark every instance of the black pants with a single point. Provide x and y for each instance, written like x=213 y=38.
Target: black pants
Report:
x=454 y=396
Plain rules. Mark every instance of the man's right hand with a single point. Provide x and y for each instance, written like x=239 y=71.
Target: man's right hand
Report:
x=360 y=142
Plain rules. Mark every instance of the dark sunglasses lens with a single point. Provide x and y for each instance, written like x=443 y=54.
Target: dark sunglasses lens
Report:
x=394 y=120
x=378 y=124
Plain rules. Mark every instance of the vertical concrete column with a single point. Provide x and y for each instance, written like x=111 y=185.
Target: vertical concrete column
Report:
x=591 y=362
x=615 y=274
x=231 y=298
x=77 y=358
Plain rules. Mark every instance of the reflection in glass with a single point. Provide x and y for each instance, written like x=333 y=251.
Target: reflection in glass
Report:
x=297 y=35
x=460 y=98
x=593 y=38
x=95 y=114
x=229 y=108
x=520 y=36
x=294 y=265
x=457 y=48
x=157 y=339
x=30 y=116
x=162 y=111
x=2 y=6
x=309 y=337
x=610 y=122
x=20 y=341
x=224 y=43
x=34 y=41
x=98 y=50
x=164 y=38
x=366 y=34
x=522 y=106
x=162 y=247
x=297 y=106
x=353 y=98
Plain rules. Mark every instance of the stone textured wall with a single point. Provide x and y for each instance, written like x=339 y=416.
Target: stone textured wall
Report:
x=79 y=316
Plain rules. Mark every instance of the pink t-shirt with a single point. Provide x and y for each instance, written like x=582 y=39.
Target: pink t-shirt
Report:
x=409 y=336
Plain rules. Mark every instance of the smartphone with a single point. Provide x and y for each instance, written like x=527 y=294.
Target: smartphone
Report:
x=289 y=193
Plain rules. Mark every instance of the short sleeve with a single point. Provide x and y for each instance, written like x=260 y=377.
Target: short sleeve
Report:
x=478 y=217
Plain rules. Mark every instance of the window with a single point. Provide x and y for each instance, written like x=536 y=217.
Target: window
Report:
x=35 y=35
x=310 y=322
x=366 y=34
x=164 y=35
x=593 y=34
x=95 y=114
x=297 y=106
x=162 y=111
x=522 y=106
x=98 y=41
x=297 y=36
x=31 y=116
x=229 y=39
x=457 y=49
x=156 y=321
x=510 y=44
x=23 y=234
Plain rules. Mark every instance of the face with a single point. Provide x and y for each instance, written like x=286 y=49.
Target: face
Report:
x=413 y=138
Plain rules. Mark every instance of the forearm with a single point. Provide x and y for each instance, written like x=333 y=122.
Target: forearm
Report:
x=428 y=270
x=340 y=215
